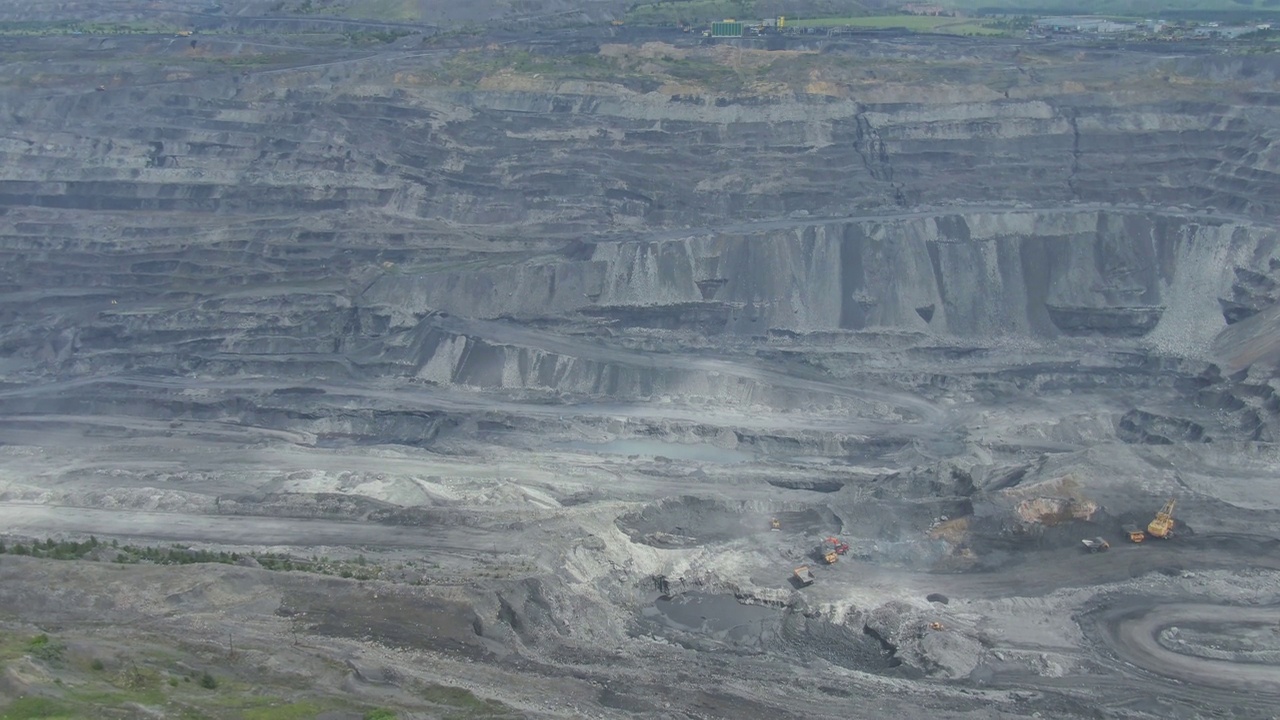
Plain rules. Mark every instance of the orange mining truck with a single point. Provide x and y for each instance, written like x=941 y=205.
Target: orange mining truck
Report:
x=803 y=575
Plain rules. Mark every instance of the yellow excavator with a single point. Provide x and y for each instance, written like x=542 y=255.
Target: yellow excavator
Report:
x=1162 y=526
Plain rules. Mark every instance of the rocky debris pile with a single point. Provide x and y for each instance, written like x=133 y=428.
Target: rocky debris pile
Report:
x=1051 y=502
x=923 y=645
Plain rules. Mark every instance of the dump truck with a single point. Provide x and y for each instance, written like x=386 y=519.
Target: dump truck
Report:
x=1096 y=544
x=1162 y=526
x=1135 y=533
x=803 y=575
x=775 y=524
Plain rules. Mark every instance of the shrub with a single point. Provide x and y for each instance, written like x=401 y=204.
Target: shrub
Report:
x=208 y=681
x=97 y=665
x=42 y=647
x=136 y=678
x=380 y=714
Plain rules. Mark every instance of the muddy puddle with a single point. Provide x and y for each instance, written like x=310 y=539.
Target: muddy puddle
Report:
x=716 y=617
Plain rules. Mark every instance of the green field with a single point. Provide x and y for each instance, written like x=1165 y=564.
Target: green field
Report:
x=1127 y=8
x=691 y=12
x=916 y=23
x=74 y=687
x=910 y=22
x=390 y=10
x=696 y=12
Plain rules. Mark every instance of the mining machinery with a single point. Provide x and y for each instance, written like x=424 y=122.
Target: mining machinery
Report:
x=803 y=575
x=1096 y=544
x=1162 y=526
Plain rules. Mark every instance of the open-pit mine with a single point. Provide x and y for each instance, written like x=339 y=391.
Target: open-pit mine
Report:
x=380 y=370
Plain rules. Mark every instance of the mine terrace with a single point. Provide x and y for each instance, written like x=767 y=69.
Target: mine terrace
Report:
x=464 y=360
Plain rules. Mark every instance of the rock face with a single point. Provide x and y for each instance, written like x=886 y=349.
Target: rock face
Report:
x=578 y=339
x=359 y=222
x=980 y=274
x=493 y=157
x=544 y=172
x=572 y=239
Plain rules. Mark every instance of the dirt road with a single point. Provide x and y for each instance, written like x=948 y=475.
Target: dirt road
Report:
x=1134 y=634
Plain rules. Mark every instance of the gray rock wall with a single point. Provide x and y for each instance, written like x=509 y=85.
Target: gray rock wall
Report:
x=578 y=159
x=972 y=275
x=318 y=222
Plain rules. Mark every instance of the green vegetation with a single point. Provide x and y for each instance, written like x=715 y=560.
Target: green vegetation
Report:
x=253 y=61
x=463 y=703
x=114 y=696
x=33 y=708
x=1127 y=8
x=41 y=28
x=701 y=12
x=390 y=10
x=51 y=549
x=691 y=12
x=981 y=17
x=152 y=678
x=45 y=649
x=910 y=22
x=916 y=23
x=293 y=711
x=367 y=38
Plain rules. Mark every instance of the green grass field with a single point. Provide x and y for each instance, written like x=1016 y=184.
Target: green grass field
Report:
x=671 y=12
x=390 y=10
x=94 y=689
x=910 y=22
x=915 y=23
x=691 y=12
x=1125 y=8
